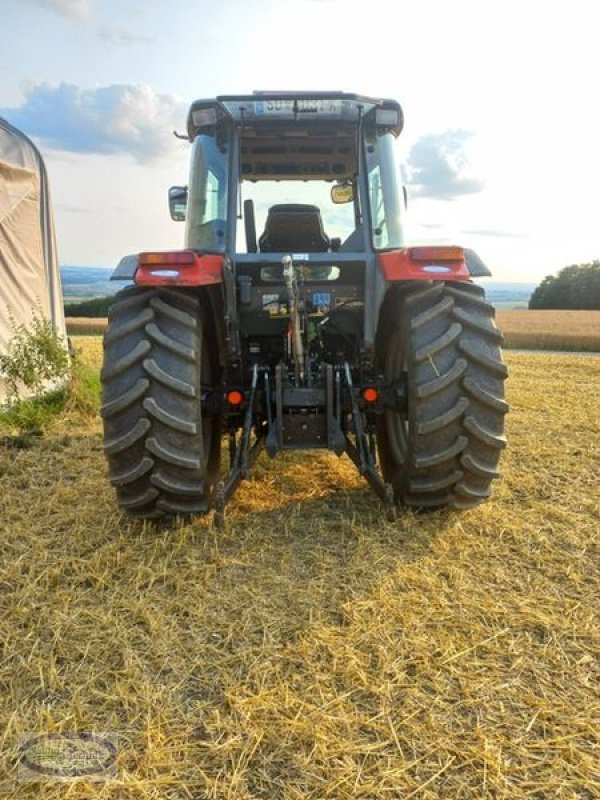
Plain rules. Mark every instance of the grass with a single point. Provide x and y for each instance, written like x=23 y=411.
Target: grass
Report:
x=26 y=418
x=312 y=649
x=550 y=330
x=22 y=419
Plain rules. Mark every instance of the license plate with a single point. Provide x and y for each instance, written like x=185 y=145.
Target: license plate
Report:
x=287 y=107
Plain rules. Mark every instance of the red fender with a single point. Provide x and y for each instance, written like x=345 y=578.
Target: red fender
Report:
x=178 y=268
x=441 y=263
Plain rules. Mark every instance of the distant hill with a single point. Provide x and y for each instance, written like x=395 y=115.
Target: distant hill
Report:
x=508 y=295
x=81 y=283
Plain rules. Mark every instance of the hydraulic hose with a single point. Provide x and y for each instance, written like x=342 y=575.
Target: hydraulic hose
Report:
x=289 y=275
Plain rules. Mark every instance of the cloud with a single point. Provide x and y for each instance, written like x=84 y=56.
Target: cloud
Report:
x=438 y=166
x=121 y=36
x=494 y=232
x=75 y=9
x=121 y=118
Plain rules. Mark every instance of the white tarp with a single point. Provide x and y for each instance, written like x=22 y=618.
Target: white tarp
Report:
x=29 y=271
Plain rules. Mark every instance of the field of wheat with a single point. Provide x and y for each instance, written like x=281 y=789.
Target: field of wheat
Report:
x=312 y=649
x=86 y=326
x=550 y=330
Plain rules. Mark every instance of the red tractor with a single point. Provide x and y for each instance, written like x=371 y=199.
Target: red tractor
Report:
x=297 y=318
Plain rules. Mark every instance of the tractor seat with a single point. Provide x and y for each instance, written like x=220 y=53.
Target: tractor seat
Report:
x=294 y=228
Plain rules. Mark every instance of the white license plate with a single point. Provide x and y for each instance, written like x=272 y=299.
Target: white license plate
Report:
x=286 y=107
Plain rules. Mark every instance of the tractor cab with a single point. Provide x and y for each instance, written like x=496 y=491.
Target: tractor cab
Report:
x=310 y=175
x=254 y=153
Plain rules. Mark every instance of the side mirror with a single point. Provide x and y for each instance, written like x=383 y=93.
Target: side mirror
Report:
x=342 y=193
x=178 y=202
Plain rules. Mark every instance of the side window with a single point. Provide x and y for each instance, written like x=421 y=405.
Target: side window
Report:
x=385 y=194
x=378 y=220
x=212 y=197
x=207 y=196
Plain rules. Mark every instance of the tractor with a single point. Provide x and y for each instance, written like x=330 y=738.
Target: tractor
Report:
x=298 y=317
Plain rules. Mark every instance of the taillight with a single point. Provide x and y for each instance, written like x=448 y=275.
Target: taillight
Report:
x=235 y=398
x=177 y=258
x=438 y=253
x=370 y=394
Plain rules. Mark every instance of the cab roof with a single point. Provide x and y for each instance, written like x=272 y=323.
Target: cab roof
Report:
x=296 y=110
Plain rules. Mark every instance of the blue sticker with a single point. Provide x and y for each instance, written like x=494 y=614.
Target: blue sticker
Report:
x=322 y=299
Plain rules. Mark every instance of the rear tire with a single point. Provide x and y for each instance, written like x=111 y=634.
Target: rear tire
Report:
x=444 y=450
x=163 y=449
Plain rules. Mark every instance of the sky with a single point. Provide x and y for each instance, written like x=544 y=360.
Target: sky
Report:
x=501 y=145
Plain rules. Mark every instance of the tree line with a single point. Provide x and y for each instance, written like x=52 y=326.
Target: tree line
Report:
x=96 y=307
x=577 y=286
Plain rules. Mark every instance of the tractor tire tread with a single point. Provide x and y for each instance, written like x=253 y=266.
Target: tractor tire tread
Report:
x=179 y=457
x=452 y=434
x=447 y=418
x=115 y=332
x=158 y=364
x=432 y=313
x=431 y=349
x=128 y=300
x=483 y=435
x=163 y=481
x=169 y=419
x=483 y=328
x=158 y=337
x=144 y=498
x=478 y=392
x=133 y=474
x=126 y=399
x=417 y=485
x=119 y=443
x=440 y=383
x=474 y=353
x=170 y=381
x=127 y=361
x=184 y=318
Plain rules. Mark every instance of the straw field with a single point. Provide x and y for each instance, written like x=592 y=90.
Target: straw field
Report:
x=312 y=649
x=550 y=330
x=86 y=326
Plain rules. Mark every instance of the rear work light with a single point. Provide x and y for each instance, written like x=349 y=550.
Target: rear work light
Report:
x=203 y=117
x=387 y=116
x=178 y=268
